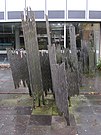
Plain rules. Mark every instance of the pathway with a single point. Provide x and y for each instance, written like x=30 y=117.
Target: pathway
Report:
x=87 y=107
x=16 y=113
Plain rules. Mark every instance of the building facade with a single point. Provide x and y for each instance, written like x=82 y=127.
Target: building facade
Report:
x=57 y=10
x=60 y=13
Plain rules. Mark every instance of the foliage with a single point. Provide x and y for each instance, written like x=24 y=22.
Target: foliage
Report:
x=99 y=64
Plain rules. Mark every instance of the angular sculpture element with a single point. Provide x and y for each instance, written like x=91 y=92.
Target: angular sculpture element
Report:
x=33 y=59
x=59 y=83
x=46 y=71
x=73 y=46
x=18 y=63
x=84 y=56
x=71 y=74
x=48 y=30
x=58 y=78
x=60 y=89
x=74 y=59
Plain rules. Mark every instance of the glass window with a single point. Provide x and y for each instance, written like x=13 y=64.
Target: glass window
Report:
x=54 y=14
x=74 y=14
x=95 y=14
x=1 y=15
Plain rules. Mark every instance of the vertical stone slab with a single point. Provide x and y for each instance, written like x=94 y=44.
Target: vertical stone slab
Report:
x=74 y=59
x=51 y=51
x=51 y=48
x=73 y=46
x=32 y=50
x=13 y=59
x=18 y=63
x=97 y=41
x=48 y=30
x=58 y=54
x=52 y=59
x=91 y=59
x=52 y=54
x=85 y=56
x=60 y=89
x=46 y=71
x=71 y=74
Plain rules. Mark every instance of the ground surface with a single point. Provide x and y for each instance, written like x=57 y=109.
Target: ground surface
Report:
x=87 y=106
x=16 y=116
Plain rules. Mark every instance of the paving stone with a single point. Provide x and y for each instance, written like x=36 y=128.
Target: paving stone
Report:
x=38 y=130
x=7 y=130
x=15 y=110
x=59 y=126
x=23 y=110
x=58 y=121
x=95 y=102
x=84 y=110
x=8 y=111
x=93 y=97
x=89 y=130
x=69 y=130
x=86 y=119
x=97 y=109
x=14 y=124
x=21 y=120
x=40 y=120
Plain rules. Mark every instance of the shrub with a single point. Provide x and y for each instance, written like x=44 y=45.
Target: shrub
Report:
x=99 y=65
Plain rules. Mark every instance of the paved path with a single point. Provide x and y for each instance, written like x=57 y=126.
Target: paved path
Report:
x=16 y=111
x=87 y=107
